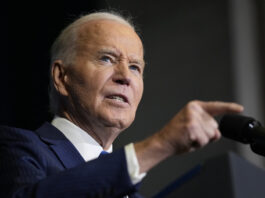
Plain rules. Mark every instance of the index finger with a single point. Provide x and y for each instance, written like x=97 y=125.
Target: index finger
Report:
x=217 y=107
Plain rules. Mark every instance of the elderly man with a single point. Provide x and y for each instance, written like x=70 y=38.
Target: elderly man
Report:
x=96 y=86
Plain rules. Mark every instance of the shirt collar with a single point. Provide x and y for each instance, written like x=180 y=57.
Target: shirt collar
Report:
x=87 y=146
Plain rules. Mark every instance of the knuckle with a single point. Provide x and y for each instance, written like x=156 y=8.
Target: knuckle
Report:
x=214 y=124
x=204 y=141
x=192 y=130
x=218 y=134
x=193 y=104
x=192 y=137
x=212 y=134
x=191 y=126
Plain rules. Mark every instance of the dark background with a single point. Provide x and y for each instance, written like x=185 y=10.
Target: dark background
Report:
x=188 y=47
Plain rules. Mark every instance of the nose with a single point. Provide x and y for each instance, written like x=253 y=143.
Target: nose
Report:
x=122 y=74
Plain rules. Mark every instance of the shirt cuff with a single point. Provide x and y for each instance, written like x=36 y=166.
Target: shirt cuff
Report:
x=133 y=165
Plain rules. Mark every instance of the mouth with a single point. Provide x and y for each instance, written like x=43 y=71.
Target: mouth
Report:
x=118 y=97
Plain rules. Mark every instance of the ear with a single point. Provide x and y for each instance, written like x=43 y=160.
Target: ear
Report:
x=59 y=77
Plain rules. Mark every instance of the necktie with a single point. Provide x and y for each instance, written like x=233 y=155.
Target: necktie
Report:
x=103 y=153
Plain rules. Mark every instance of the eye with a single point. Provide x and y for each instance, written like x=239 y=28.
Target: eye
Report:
x=106 y=59
x=135 y=68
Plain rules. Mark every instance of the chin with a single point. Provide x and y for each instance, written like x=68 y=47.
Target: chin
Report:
x=118 y=122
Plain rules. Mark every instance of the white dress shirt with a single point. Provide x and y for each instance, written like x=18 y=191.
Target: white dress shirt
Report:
x=90 y=149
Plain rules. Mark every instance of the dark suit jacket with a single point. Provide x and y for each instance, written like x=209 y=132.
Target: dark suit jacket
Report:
x=45 y=164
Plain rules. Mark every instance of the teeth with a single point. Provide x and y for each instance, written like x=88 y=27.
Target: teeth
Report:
x=117 y=98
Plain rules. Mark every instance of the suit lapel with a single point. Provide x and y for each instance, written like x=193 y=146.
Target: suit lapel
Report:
x=60 y=145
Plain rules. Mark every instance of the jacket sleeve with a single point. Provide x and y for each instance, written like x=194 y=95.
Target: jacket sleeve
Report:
x=23 y=172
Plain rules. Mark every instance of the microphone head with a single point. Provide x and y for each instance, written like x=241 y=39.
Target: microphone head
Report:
x=236 y=127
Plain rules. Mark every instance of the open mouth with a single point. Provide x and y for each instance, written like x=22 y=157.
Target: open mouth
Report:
x=119 y=98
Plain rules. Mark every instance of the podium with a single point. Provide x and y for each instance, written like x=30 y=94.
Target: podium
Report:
x=225 y=176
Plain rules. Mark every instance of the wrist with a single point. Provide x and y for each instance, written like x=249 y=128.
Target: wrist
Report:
x=151 y=151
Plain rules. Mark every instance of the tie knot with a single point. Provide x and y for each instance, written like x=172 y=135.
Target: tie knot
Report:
x=103 y=153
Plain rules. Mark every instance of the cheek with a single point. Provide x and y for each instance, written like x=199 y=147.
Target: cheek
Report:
x=84 y=90
x=100 y=77
x=94 y=83
x=139 y=91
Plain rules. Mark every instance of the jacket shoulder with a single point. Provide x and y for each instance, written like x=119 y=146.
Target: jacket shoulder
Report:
x=8 y=133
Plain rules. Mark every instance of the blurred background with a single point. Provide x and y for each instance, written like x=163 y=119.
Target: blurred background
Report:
x=206 y=50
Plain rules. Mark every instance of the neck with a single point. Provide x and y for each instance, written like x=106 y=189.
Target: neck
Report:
x=104 y=135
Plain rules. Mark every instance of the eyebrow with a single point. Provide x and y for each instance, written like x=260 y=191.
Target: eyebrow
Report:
x=112 y=52
x=138 y=62
x=116 y=53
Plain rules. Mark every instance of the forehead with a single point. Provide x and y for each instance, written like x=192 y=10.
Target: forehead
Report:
x=109 y=33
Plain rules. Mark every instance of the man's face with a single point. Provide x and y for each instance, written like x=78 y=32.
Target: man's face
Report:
x=105 y=83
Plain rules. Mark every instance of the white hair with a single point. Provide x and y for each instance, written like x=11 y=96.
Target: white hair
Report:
x=64 y=47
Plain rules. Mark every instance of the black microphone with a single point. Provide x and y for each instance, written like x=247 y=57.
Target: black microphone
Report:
x=245 y=130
